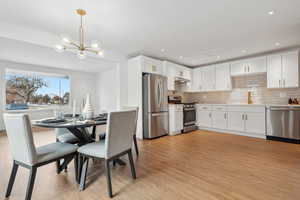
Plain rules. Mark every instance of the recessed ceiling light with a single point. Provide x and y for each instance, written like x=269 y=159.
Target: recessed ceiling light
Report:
x=244 y=51
x=218 y=57
x=162 y=50
x=271 y=12
x=180 y=57
x=277 y=44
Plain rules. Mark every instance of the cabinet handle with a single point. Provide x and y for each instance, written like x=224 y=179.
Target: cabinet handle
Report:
x=243 y=117
x=246 y=117
x=225 y=116
x=279 y=83
x=248 y=68
x=209 y=115
x=244 y=68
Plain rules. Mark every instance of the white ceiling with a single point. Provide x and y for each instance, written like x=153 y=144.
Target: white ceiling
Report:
x=198 y=30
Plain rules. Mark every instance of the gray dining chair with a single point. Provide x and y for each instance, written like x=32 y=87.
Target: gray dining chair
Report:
x=118 y=142
x=102 y=135
x=25 y=153
x=65 y=136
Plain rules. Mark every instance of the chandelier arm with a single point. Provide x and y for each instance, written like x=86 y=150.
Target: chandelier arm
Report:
x=92 y=50
x=75 y=44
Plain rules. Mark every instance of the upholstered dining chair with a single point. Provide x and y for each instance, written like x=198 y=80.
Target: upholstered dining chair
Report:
x=102 y=136
x=25 y=153
x=118 y=142
x=134 y=131
x=65 y=136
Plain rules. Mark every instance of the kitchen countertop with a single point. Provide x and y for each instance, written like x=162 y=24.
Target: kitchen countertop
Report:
x=244 y=104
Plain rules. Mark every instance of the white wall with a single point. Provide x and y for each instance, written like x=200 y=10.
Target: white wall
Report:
x=108 y=90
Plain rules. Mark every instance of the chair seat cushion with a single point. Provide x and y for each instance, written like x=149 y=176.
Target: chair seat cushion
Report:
x=68 y=138
x=54 y=150
x=95 y=149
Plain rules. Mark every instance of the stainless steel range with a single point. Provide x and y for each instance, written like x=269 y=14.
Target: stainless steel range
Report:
x=189 y=117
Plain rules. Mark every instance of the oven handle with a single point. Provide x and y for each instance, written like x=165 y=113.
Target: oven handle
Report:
x=189 y=109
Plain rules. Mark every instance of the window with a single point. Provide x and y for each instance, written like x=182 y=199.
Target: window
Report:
x=30 y=89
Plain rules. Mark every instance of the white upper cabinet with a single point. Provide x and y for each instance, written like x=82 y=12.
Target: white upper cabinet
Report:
x=283 y=70
x=250 y=66
x=237 y=69
x=208 y=79
x=173 y=71
x=223 y=80
x=150 y=65
x=197 y=80
x=290 y=70
x=274 y=73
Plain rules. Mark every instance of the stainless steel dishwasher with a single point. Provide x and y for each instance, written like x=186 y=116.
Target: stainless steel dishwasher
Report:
x=284 y=123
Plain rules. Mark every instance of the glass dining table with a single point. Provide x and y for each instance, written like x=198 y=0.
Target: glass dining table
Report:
x=78 y=128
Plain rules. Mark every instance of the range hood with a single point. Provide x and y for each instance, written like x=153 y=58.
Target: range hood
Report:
x=181 y=80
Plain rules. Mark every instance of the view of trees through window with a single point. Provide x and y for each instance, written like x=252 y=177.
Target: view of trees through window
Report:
x=24 y=90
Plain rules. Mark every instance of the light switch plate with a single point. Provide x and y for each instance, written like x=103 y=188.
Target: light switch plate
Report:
x=282 y=94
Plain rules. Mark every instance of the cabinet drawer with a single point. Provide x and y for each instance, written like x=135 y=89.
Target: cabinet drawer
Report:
x=246 y=108
x=204 y=107
x=219 y=108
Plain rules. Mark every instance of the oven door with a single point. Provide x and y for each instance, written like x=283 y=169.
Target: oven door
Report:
x=189 y=116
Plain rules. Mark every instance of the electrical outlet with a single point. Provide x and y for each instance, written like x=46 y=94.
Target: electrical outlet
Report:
x=282 y=94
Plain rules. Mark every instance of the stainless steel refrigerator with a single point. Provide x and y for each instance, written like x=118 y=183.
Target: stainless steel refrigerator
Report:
x=155 y=106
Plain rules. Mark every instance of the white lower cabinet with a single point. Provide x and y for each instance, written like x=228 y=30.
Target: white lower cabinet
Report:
x=204 y=118
x=255 y=123
x=244 y=120
x=236 y=121
x=219 y=119
x=175 y=119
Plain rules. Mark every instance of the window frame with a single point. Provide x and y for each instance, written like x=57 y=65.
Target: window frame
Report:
x=43 y=73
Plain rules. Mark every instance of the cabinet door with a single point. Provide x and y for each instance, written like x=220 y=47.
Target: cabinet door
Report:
x=208 y=78
x=255 y=123
x=171 y=83
x=274 y=71
x=179 y=116
x=257 y=65
x=290 y=70
x=152 y=66
x=197 y=80
x=204 y=118
x=219 y=119
x=223 y=80
x=237 y=68
x=236 y=121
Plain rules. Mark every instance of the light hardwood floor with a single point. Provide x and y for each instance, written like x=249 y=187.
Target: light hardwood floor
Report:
x=200 y=165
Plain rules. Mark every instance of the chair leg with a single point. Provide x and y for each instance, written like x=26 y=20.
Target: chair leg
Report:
x=135 y=145
x=108 y=178
x=76 y=167
x=83 y=173
x=12 y=179
x=30 y=183
x=131 y=164
x=58 y=166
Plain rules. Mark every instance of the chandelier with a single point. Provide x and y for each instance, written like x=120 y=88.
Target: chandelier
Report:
x=79 y=47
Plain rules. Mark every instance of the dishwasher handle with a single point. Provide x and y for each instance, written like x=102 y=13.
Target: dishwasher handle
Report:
x=284 y=109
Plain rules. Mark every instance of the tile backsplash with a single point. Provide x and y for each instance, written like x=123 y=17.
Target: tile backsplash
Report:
x=257 y=84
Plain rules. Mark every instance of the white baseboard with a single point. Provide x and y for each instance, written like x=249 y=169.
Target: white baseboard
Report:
x=256 y=135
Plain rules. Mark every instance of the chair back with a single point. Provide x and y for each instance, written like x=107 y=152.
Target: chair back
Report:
x=137 y=115
x=61 y=131
x=20 y=138
x=120 y=126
